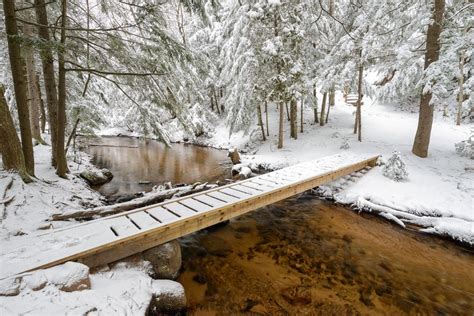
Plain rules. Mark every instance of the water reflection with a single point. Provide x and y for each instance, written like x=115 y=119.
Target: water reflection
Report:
x=138 y=165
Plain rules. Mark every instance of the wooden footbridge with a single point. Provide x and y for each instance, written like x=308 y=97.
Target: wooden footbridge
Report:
x=109 y=239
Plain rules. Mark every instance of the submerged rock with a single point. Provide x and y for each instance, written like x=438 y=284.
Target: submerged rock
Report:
x=165 y=259
x=167 y=297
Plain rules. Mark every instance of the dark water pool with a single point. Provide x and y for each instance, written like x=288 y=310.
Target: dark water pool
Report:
x=138 y=165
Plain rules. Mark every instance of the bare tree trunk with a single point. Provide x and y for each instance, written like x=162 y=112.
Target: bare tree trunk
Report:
x=266 y=117
x=62 y=167
x=48 y=75
x=260 y=121
x=19 y=83
x=33 y=93
x=315 y=110
x=327 y=114
x=287 y=112
x=10 y=147
x=293 y=119
x=461 y=92
x=72 y=135
x=301 y=116
x=359 y=102
x=323 y=109
x=280 y=127
x=425 y=120
x=332 y=96
x=43 y=111
x=215 y=100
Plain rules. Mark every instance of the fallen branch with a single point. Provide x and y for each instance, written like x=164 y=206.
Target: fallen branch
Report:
x=148 y=199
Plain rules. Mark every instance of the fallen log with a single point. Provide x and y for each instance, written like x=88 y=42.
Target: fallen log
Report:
x=148 y=199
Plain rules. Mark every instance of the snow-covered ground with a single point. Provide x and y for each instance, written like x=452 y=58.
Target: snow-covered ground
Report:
x=32 y=204
x=438 y=193
x=124 y=289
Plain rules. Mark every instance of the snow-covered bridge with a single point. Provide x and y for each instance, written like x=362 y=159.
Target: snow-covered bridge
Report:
x=109 y=239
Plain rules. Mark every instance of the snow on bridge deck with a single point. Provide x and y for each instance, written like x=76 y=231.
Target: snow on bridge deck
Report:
x=109 y=239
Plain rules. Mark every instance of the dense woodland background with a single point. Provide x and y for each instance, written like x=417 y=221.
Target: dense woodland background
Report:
x=155 y=67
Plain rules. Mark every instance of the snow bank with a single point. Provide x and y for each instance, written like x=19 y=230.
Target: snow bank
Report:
x=438 y=193
x=118 y=291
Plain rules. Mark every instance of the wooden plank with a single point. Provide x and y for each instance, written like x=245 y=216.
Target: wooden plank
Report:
x=258 y=186
x=209 y=200
x=246 y=189
x=195 y=205
x=161 y=214
x=143 y=220
x=234 y=193
x=178 y=209
x=267 y=182
x=122 y=226
x=223 y=197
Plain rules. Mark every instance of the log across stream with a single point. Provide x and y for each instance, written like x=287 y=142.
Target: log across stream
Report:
x=301 y=256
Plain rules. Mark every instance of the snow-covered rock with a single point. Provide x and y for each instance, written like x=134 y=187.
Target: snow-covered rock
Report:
x=10 y=286
x=167 y=296
x=36 y=281
x=96 y=178
x=69 y=277
x=165 y=259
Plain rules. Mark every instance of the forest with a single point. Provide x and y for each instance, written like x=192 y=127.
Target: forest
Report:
x=112 y=106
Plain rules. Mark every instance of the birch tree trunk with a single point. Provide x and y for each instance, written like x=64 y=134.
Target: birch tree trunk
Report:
x=62 y=168
x=425 y=120
x=33 y=92
x=17 y=65
x=48 y=74
x=10 y=147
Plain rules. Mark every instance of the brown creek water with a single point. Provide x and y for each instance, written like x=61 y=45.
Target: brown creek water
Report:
x=301 y=256
x=138 y=165
x=311 y=257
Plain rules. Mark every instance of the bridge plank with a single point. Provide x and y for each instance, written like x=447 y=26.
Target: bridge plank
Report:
x=210 y=200
x=161 y=214
x=122 y=226
x=223 y=197
x=179 y=209
x=246 y=189
x=237 y=194
x=195 y=205
x=143 y=220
